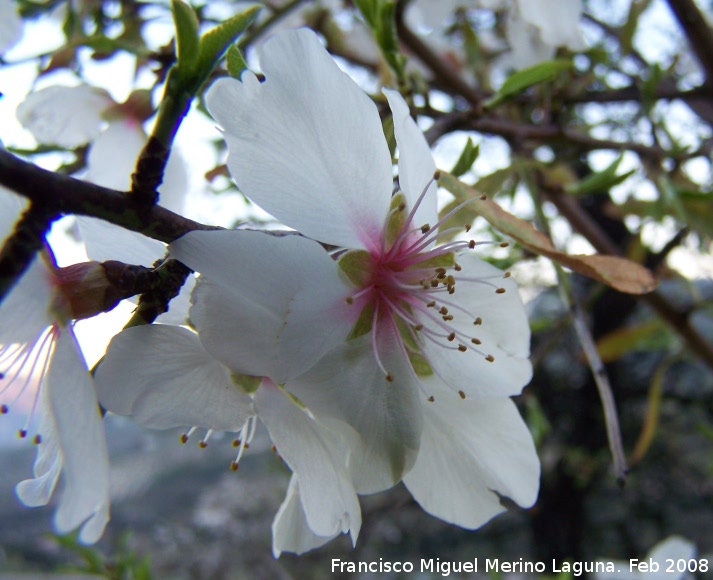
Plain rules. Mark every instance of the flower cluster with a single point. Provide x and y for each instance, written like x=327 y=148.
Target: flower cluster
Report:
x=392 y=359
x=371 y=352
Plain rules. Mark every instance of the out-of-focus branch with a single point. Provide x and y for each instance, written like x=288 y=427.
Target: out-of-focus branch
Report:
x=442 y=71
x=66 y=195
x=698 y=32
x=569 y=207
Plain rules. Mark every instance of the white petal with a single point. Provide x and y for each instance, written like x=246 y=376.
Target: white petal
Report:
x=347 y=384
x=674 y=548
x=104 y=241
x=24 y=313
x=318 y=458
x=470 y=449
x=84 y=499
x=10 y=26
x=527 y=46
x=416 y=164
x=265 y=305
x=11 y=207
x=504 y=333
x=64 y=116
x=561 y=31
x=48 y=463
x=307 y=144
x=162 y=376
x=290 y=531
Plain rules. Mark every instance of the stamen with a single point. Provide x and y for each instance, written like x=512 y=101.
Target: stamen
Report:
x=490 y=358
x=186 y=436
x=478 y=321
x=431 y=399
x=462 y=394
x=476 y=341
x=500 y=291
x=462 y=348
x=38 y=439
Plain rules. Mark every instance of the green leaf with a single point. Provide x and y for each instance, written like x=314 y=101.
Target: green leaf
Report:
x=369 y=10
x=235 y=62
x=216 y=41
x=467 y=158
x=187 y=39
x=626 y=35
x=600 y=181
x=527 y=77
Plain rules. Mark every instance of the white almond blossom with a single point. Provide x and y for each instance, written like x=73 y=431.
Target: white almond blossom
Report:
x=253 y=333
x=673 y=549
x=43 y=375
x=425 y=326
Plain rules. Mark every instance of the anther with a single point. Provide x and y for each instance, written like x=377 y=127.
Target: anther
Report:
x=440 y=275
x=184 y=438
x=434 y=283
x=448 y=317
x=476 y=341
x=471 y=244
x=462 y=394
x=37 y=439
x=467 y=228
x=436 y=175
x=490 y=358
x=349 y=300
x=440 y=270
x=451 y=337
x=234 y=465
x=22 y=433
x=402 y=206
x=4 y=409
x=202 y=444
x=236 y=442
x=425 y=228
x=450 y=280
x=500 y=291
x=389 y=378
x=478 y=321
x=431 y=399
x=507 y=275
x=504 y=244
x=483 y=197
x=431 y=304
x=443 y=310
x=451 y=289
x=457 y=267
x=273 y=449
x=419 y=326
x=462 y=348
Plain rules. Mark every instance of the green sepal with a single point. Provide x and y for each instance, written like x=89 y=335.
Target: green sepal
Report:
x=357 y=265
x=443 y=261
x=187 y=38
x=397 y=218
x=364 y=322
x=601 y=181
x=249 y=383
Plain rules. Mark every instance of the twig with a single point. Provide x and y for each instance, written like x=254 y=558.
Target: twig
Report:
x=67 y=195
x=699 y=33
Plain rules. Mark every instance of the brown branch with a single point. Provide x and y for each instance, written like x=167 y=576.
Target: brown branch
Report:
x=67 y=195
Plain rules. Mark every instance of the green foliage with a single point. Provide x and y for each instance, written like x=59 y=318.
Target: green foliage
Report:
x=600 y=181
x=187 y=37
x=235 y=61
x=125 y=565
x=523 y=79
x=467 y=158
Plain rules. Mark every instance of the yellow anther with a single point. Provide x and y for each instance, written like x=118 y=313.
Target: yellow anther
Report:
x=202 y=444
x=236 y=442
x=234 y=465
x=507 y=275
x=184 y=438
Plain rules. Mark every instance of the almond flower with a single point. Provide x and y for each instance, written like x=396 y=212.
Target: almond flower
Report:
x=43 y=376
x=251 y=324
x=428 y=326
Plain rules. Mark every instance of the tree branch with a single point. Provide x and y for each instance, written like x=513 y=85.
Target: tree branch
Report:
x=699 y=34
x=67 y=195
